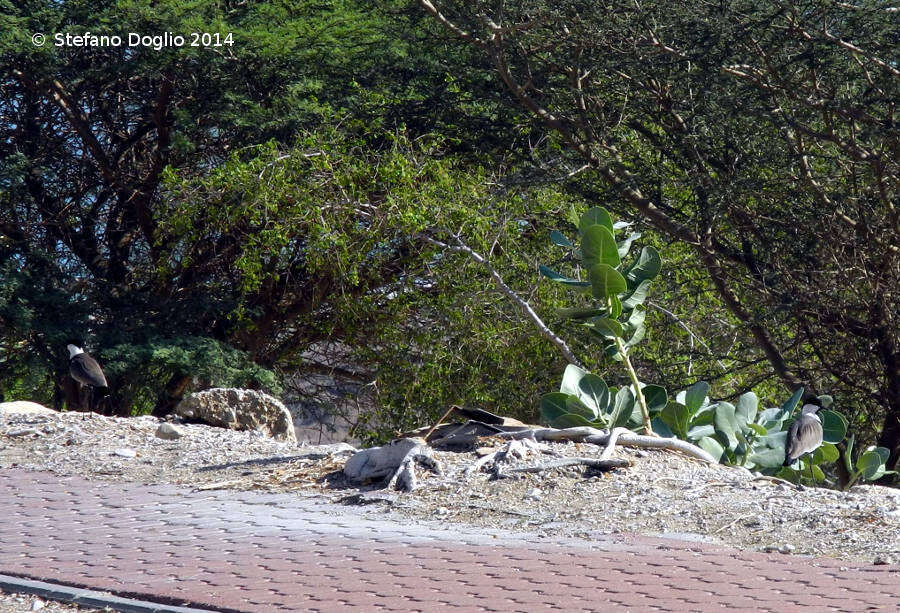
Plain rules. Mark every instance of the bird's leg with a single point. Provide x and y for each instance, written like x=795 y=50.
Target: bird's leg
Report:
x=812 y=477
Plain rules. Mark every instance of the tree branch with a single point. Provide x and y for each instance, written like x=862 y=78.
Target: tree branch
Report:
x=532 y=315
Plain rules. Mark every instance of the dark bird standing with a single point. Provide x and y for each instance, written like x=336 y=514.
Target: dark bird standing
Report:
x=804 y=436
x=85 y=369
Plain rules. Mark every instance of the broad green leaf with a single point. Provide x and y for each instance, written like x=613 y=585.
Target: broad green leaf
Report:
x=553 y=405
x=767 y=457
x=712 y=447
x=596 y=216
x=695 y=395
x=637 y=296
x=558 y=238
x=771 y=419
x=615 y=307
x=871 y=463
x=698 y=432
x=705 y=416
x=661 y=428
x=677 y=416
x=760 y=430
x=787 y=474
x=787 y=409
x=773 y=440
x=608 y=328
x=826 y=454
x=818 y=473
x=637 y=337
x=625 y=245
x=883 y=452
x=558 y=278
x=593 y=392
x=636 y=319
x=656 y=398
x=747 y=408
x=606 y=281
x=572 y=420
x=623 y=406
x=611 y=351
x=570 y=379
x=575 y=406
x=834 y=426
x=726 y=423
x=646 y=266
x=599 y=247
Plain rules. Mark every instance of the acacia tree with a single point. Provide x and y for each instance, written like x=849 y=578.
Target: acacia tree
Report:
x=140 y=211
x=761 y=135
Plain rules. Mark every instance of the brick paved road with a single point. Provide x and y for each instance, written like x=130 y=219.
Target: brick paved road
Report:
x=245 y=551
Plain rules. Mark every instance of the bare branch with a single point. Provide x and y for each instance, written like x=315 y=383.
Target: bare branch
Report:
x=461 y=247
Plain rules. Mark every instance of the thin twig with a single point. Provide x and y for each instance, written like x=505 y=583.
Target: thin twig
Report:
x=688 y=330
x=546 y=331
x=438 y=422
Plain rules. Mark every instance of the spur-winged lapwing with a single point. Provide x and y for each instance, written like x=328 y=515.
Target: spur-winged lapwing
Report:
x=804 y=436
x=85 y=370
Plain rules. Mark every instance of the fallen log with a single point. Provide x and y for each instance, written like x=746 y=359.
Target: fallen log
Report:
x=515 y=449
x=586 y=434
x=397 y=459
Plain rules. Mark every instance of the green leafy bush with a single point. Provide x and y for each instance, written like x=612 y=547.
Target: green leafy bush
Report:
x=613 y=313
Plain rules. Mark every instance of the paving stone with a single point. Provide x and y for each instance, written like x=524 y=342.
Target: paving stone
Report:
x=251 y=552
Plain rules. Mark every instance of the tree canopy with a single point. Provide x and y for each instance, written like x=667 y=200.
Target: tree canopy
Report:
x=761 y=135
x=214 y=214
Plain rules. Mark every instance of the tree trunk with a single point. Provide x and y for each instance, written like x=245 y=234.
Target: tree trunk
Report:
x=172 y=395
x=890 y=436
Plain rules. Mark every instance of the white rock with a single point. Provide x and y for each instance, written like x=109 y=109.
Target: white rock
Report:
x=125 y=453
x=23 y=432
x=24 y=407
x=786 y=548
x=534 y=494
x=240 y=409
x=37 y=605
x=169 y=432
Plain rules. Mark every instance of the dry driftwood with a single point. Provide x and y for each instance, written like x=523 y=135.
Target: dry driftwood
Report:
x=517 y=449
x=626 y=438
x=397 y=459
x=604 y=462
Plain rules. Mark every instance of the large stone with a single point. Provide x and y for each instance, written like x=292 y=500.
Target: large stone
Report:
x=24 y=407
x=239 y=409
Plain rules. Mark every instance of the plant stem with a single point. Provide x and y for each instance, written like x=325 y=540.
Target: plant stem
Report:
x=642 y=402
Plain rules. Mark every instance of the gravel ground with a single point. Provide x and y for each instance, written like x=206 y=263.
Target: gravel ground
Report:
x=661 y=493
x=20 y=603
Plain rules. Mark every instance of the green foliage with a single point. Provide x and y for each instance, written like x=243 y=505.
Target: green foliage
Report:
x=615 y=316
x=140 y=374
x=584 y=399
x=870 y=466
x=164 y=203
